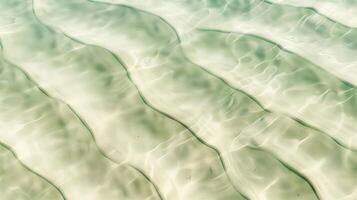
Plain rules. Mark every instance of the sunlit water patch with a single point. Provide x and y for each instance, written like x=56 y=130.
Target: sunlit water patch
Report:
x=178 y=100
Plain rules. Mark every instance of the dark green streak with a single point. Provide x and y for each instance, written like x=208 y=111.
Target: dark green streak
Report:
x=289 y=168
x=29 y=169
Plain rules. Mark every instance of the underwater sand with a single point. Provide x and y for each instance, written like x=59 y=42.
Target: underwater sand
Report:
x=178 y=99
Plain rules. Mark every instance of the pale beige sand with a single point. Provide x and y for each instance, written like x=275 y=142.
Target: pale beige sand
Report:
x=179 y=99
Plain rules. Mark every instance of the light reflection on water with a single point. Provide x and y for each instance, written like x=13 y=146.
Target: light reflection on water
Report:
x=112 y=99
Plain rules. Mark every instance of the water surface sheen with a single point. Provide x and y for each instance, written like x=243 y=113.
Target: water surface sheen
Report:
x=178 y=100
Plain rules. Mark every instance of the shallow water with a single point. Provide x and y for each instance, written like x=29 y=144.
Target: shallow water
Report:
x=186 y=100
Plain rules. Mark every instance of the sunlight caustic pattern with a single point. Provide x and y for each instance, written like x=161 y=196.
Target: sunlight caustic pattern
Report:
x=178 y=100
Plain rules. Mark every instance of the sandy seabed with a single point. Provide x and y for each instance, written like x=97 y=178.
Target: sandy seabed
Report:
x=178 y=99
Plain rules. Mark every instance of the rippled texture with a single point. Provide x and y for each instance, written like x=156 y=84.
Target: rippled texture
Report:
x=178 y=99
